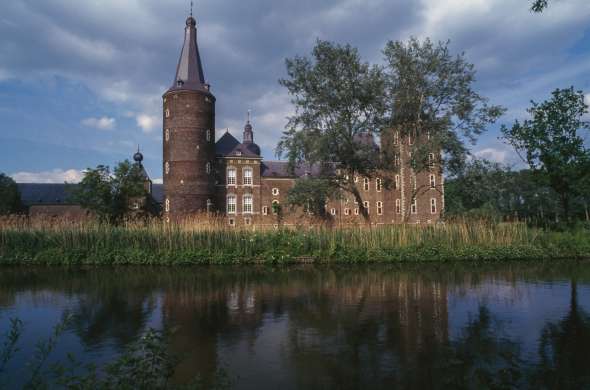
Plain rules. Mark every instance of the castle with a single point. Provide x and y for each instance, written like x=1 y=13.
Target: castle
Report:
x=230 y=177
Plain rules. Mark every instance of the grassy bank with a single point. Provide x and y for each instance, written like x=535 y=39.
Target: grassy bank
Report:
x=157 y=244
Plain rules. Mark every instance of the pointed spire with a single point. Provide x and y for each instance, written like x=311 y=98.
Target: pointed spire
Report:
x=248 y=133
x=189 y=72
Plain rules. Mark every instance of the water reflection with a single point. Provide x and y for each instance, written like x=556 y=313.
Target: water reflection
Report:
x=332 y=327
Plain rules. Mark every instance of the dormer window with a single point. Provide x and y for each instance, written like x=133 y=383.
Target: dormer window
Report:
x=238 y=153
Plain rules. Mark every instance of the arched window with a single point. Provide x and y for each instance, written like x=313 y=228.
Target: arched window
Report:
x=433 y=206
x=275 y=192
x=167 y=205
x=208 y=167
x=432 y=181
x=247 y=176
x=431 y=160
x=167 y=113
x=398 y=206
x=231 y=204
x=247 y=204
x=396 y=182
x=231 y=176
x=378 y=184
x=167 y=167
x=167 y=135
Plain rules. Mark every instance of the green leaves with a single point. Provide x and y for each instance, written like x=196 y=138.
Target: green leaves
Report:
x=10 y=201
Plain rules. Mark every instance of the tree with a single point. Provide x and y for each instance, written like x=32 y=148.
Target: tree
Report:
x=539 y=5
x=431 y=96
x=10 y=201
x=311 y=194
x=338 y=98
x=109 y=195
x=552 y=145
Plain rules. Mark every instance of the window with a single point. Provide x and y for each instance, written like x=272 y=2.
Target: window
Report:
x=247 y=176
x=275 y=191
x=396 y=160
x=247 y=221
x=433 y=206
x=208 y=167
x=232 y=222
x=275 y=206
x=432 y=181
x=428 y=134
x=333 y=211
x=247 y=200
x=414 y=181
x=346 y=211
x=231 y=176
x=231 y=204
x=396 y=138
x=431 y=160
x=411 y=137
x=356 y=179
x=366 y=183
x=398 y=206
x=414 y=206
x=167 y=113
x=356 y=211
x=209 y=205
x=366 y=206
x=378 y=184
x=167 y=135
x=208 y=135
x=167 y=167
x=396 y=182
x=379 y=208
x=264 y=210
x=167 y=207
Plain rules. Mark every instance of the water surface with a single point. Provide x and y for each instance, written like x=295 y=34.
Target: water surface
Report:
x=419 y=326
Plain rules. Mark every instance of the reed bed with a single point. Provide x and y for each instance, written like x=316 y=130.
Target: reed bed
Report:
x=200 y=241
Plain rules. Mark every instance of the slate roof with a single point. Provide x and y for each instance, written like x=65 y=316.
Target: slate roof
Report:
x=280 y=169
x=51 y=194
x=228 y=145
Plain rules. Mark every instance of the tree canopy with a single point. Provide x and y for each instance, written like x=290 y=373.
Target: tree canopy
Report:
x=10 y=200
x=108 y=194
x=552 y=144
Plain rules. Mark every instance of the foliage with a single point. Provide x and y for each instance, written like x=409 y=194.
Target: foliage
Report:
x=338 y=100
x=539 y=5
x=551 y=143
x=10 y=201
x=109 y=195
x=311 y=194
x=431 y=96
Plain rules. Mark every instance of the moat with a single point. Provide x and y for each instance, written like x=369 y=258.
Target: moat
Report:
x=382 y=326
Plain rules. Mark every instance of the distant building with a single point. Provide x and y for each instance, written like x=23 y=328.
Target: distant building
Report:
x=231 y=177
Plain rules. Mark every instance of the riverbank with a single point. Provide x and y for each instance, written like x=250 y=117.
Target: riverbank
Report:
x=155 y=244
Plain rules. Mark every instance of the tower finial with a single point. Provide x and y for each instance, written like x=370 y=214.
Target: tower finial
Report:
x=191 y=8
x=249 y=111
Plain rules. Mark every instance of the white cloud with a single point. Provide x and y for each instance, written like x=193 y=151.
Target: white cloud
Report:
x=492 y=154
x=53 y=176
x=147 y=122
x=102 y=123
x=158 y=181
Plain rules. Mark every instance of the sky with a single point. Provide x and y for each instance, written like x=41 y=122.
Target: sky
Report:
x=81 y=82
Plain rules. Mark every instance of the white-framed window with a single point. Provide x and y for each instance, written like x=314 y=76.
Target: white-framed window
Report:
x=433 y=206
x=264 y=210
x=208 y=135
x=248 y=221
x=231 y=176
x=346 y=211
x=356 y=211
x=275 y=205
x=167 y=205
x=231 y=204
x=208 y=168
x=398 y=206
x=432 y=181
x=167 y=135
x=333 y=211
x=428 y=134
x=275 y=191
x=167 y=167
x=356 y=179
x=366 y=183
x=366 y=205
x=431 y=160
x=414 y=206
x=167 y=113
x=396 y=182
x=209 y=205
x=231 y=222
x=378 y=184
x=247 y=204
x=379 y=208
x=247 y=172
x=414 y=181
x=396 y=161
x=396 y=137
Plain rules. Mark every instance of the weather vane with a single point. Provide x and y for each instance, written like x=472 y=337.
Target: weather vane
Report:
x=191 y=8
x=249 y=115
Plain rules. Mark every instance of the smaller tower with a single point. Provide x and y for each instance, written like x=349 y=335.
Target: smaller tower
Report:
x=248 y=138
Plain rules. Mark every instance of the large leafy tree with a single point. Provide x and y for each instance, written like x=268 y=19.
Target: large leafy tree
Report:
x=108 y=194
x=10 y=201
x=431 y=97
x=338 y=100
x=539 y=5
x=552 y=143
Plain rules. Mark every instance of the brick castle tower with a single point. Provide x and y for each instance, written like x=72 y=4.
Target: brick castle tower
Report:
x=189 y=135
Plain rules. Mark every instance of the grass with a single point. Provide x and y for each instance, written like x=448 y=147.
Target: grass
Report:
x=51 y=243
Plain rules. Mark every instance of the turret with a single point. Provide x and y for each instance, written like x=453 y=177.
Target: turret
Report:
x=188 y=135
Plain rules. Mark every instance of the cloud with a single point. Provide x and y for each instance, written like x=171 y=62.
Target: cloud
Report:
x=158 y=181
x=102 y=123
x=53 y=176
x=492 y=154
x=147 y=122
